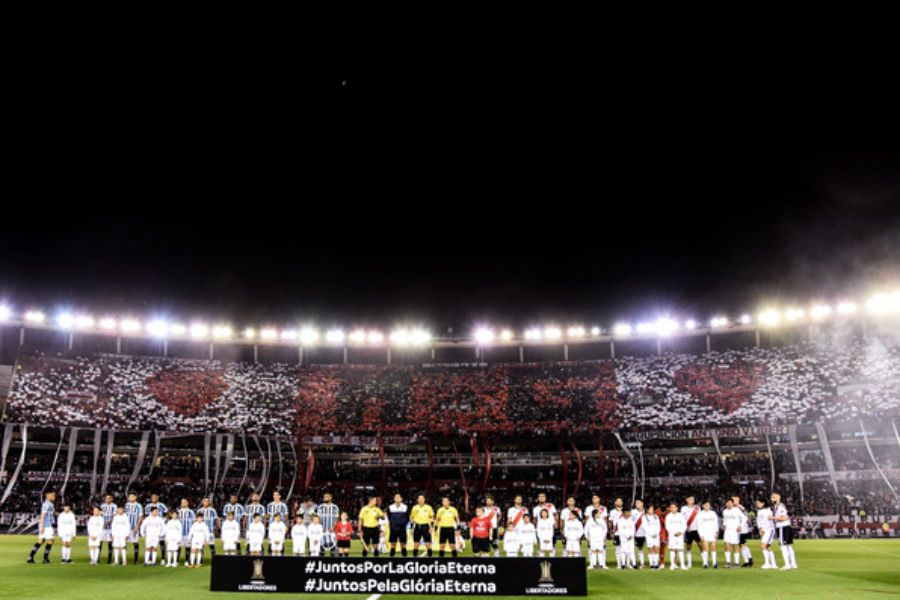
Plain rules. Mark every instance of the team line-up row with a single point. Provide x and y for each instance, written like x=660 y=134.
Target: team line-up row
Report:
x=323 y=527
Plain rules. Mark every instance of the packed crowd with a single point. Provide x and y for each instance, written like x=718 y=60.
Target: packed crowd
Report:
x=793 y=384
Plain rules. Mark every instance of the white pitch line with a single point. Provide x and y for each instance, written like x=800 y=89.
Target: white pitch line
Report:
x=374 y=597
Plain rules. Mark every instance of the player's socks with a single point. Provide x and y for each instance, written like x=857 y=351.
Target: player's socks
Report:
x=737 y=558
x=137 y=551
x=109 y=552
x=793 y=556
x=715 y=560
x=745 y=552
x=34 y=550
x=453 y=553
x=212 y=550
x=441 y=553
x=403 y=551
x=641 y=556
x=237 y=547
x=429 y=552
x=705 y=556
x=690 y=559
x=47 y=548
x=146 y=557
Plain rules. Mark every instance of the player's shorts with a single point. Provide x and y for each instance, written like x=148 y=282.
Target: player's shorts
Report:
x=66 y=537
x=172 y=544
x=744 y=538
x=370 y=536
x=546 y=544
x=94 y=543
x=573 y=545
x=639 y=541
x=732 y=538
x=107 y=535
x=653 y=541
x=511 y=542
x=276 y=545
x=626 y=545
x=615 y=540
x=481 y=545
x=119 y=541
x=151 y=541
x=767 y=536
x=785 y=535
x=597 y=544
x=675 y=542
x=48 y=533
x=422 y=533
x=397 y=535
x=255 y=545
x=229 y=544
x=197 y=544
x=447 y=535
x=691 y=537
x=709 y=539
x=343 y=544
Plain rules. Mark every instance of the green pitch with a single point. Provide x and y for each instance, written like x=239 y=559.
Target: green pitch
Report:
x=828 y=569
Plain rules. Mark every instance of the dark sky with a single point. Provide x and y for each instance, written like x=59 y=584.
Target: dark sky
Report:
x=449 y=190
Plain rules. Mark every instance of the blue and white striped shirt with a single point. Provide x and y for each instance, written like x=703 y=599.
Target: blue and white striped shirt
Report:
x=108 y=511
x=134 y=511
x=279 y=508
x=254 y=509
x=187 y=518
x=47 y=513
x=209 y=515
x=237 y=509
x=329 y=514
x=159 y=506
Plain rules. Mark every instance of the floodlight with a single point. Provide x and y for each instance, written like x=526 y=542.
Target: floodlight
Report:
x=335 y=336
x=552 y=333
x=506 y=335
x=108 y=323
x=533 y=334
x=84 y=321
x=178 y=329
x=595 y=331
x=199 y=331
x=690 y=324
x=358 y=336
x=419 y=337
x=484 y=335
x=719 y=321
x=745 y=319
x=221 y=332
x=770 y=317
x=156 y=328
x=5 y=312
x=575 y=332
x=308 y=336
x=820 y=311
x=846 y=308
x=130 y=325
x=65 y=320
x=249 y=333
x=288 y=335
x=268 y=333
x=622 y=329
x=34 y=316
x=666 y=326
x=376 y=337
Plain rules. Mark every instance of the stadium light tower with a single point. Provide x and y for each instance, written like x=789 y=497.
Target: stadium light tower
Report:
x=269 y=334
x=666 y=326
x=84 y=321
x=309 y=336
x=506 y=335
x=335 y=336
x=5 y=312
x=65 y=320
x=846 y=308
x=199 y=331
x=484 y=335
x=770 y=317
x=108 y=323
x=156 y=328
x=622 y=330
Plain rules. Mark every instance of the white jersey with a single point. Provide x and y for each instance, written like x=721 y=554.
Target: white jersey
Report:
x=707 y=525
x=121 y=526
x=639 y=518
x=298 y=532
x=527 y=534
x=314 y=531
x=173 y=533
x=494 y=513
x=199 y=534
x=514 y=517
x=545 y=529
x=614 y=516
x=536 y=511
x=781 y=511
x=564 y=514
x=256 y=532
x=690 y=514
x=95 y=527
x=764 y=519
x=153 y=528
x=675 y=523
x=651 y=526
x=625 y=527
x=277 y=531
x=573 y=530
x=231 y=530
x=745 y=520
x=589 y=512
x=595 y=531
x=66 y=524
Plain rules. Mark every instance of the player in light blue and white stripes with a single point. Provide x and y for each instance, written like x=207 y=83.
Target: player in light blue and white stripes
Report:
x=45 y=528
x=186 y=517
x=233 y=506
x=135 y=513
x=210 y=518
x=108 y=509
x=251 y=510
x=328 y=513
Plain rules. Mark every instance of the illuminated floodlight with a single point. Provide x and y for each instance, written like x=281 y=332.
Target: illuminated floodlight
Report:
x=249 y=333
x=770 y=317
x=507 y=335
x=575 y=332
x=199 y=331
x=400 y=337
x=484 y=335
x=665 y=326
x=419 y=337
x=308 y=336
x=222 y=332
x=820 y=311
x=335 y=336
x=35 y=316
x=552 y=333
x=5 y=312
x=108 y=323
x=156 y=328
x=84 y=321
x=719 y=321
x=533 y=334
x=745 y=319
x=288 y=335
x=375 y=337
x=622 y=329
x=357 y=336
x=65 y=320
x=794 y=314
x=690 y=324
x=846 y=308
x=595 y=331
x=645 y=328
x=269 y=334
x=178 y=329
x=130 y=325
x=884 y=303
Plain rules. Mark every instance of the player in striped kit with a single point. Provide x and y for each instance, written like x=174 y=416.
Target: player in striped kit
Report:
x=234 y=507
x=108 y=509
x=492 y=511
x=186 y=517
x=162 y=510
x=784 y=533
x=690 y=511
x=45 y=532
x=250 y=511
x=614 y=515
x=210 y=518
x=277 y=507
x=135 y=513
x=328 y=513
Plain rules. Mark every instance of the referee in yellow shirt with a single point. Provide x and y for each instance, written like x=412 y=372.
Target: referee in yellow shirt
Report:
x=422 y=516
x=448 y=520
x=368 y=526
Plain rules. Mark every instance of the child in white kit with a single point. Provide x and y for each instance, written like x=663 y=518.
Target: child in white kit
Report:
x=298 y=536
x=527 y=535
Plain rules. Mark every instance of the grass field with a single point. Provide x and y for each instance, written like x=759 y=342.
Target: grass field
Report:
x=828 y=569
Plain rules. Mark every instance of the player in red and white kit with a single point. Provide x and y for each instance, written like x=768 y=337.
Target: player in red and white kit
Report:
x=493 y=511
x=690 y=511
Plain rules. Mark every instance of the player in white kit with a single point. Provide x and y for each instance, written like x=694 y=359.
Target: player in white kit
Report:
x=652 y=531
x=152 y=530
x=784 y=533
x=640 y=536
x=766 y=527
x=230 y=533
x=513 y=517
x=744 y=532
x=708 y=529
x=256 y=533
x=676 y=526
x=95 y=526
x=120 y=528
x=66 y=527
x=626 y=531
x=298 y=536
x=542 y=504
x=573 y=531
x=277 y=534
x=731 y=523
x=314 y=533
x=173 y=539
x=198 y=536
x=527 y=535
x=545 y=534
x=595 y=531
x=614 y=515
x=690 y=511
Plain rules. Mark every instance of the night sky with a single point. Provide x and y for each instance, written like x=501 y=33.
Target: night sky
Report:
x=449 y=192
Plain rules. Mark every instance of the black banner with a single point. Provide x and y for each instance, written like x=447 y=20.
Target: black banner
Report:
x=356 y=575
